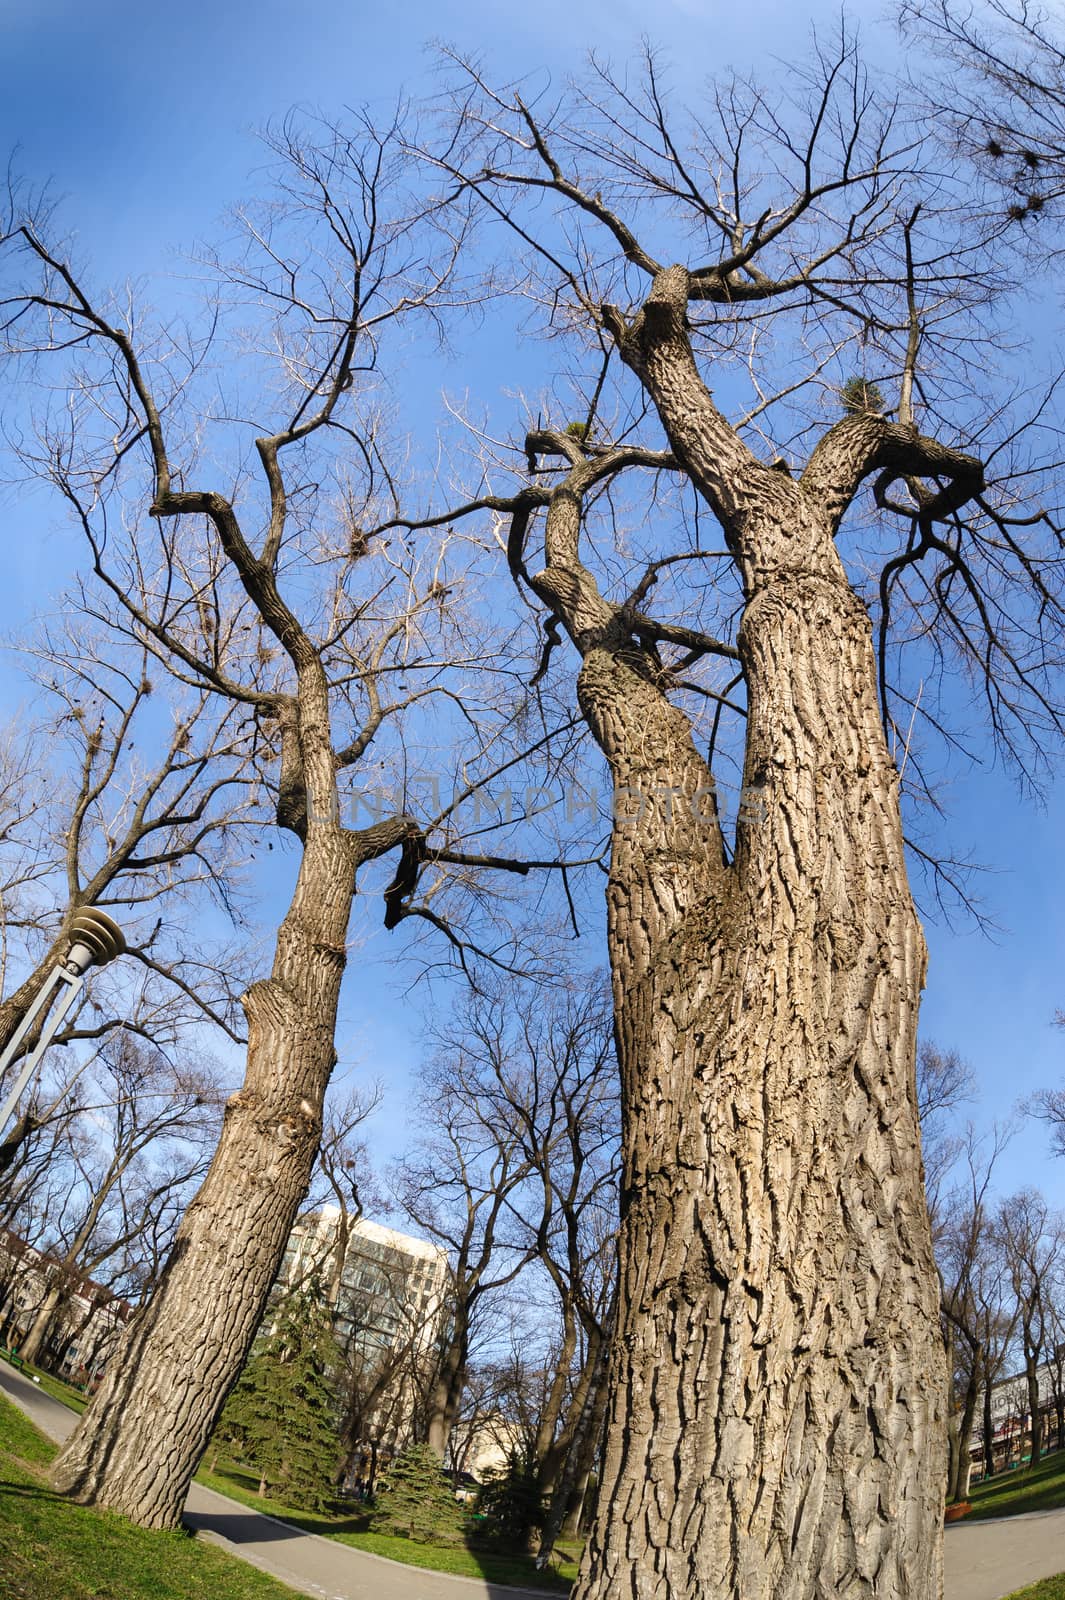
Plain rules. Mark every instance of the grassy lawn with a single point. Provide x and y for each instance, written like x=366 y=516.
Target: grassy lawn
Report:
x=52 y=1550
x=54 y=1386
x=352 y=1529
x=1041 y=1488
x=1049 y=1589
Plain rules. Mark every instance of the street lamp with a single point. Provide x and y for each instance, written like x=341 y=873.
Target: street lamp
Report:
x=95 y=939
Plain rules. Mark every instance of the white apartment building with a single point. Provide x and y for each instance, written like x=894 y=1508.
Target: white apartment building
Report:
x=390 y=1302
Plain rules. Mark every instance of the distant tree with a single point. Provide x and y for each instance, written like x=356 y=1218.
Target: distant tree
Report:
x=415 y=1500
x=150 y=1138
x=977 y=1325
x=512 y=1502
x=282 y=1414
x=1048 y=1106
x=460 y=1185
x=1056 y=1361
x=539 y=1066
x=1032 y=1240
x=998 y=80
x=136 y=800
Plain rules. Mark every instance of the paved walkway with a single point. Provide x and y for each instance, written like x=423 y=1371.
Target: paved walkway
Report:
x=984 y=1560
x=309 y=1564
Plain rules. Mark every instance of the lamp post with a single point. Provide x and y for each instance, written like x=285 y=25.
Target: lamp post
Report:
x=95 y=939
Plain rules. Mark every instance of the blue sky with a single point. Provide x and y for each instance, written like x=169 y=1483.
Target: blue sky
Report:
x=144 y=118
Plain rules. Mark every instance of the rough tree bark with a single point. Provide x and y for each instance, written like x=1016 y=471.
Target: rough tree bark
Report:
x=778 y=1303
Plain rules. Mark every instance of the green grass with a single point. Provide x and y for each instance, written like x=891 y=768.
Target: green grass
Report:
x=74 y=1398
x=1048 y=1589
x=351 y=1528
x=53 y=1550
x=1040 y=1488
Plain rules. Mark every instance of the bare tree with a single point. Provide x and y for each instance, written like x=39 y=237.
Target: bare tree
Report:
x=1048 y=1106
x=978 y=1322
x=778 y=1380
x=1056 y=1364
x=340 y=1180
x=458 y=1187
x=148 y=1136
x=266 y=594
x=996 y=77
x=548 y=1067
x=1032 y=1241
x=944 y=1082
x=139 y=805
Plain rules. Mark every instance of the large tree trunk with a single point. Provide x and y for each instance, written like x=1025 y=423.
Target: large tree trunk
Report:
x=34 y=1341
x=962 y=1439
x=138 y=1445
x=778 y=1392
x=778 y=1386
x=445 y=1396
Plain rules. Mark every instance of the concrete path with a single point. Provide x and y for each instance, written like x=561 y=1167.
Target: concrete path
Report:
x=984 y=1560
x=309 y=1564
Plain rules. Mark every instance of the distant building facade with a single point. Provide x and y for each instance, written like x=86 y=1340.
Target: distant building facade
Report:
x=89 y=1317
x=390 y=1307
x=1011 y=1422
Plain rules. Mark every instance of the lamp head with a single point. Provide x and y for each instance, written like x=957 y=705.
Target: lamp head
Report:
x=95 y=939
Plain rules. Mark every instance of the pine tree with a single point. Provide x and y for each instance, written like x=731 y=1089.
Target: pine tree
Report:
x=860 y=397
x=512 y=1503
x=281 y=1416
x=416 y=1501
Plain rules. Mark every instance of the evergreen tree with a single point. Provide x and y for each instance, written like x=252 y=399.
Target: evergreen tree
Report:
x=512 y=1503
x=416 y=1500
x=281 y=1416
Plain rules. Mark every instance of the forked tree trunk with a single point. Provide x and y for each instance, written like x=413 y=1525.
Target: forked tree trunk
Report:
x=777 y=1414
x=564 y=1512
x=778 y=1393
x=550 y=1445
